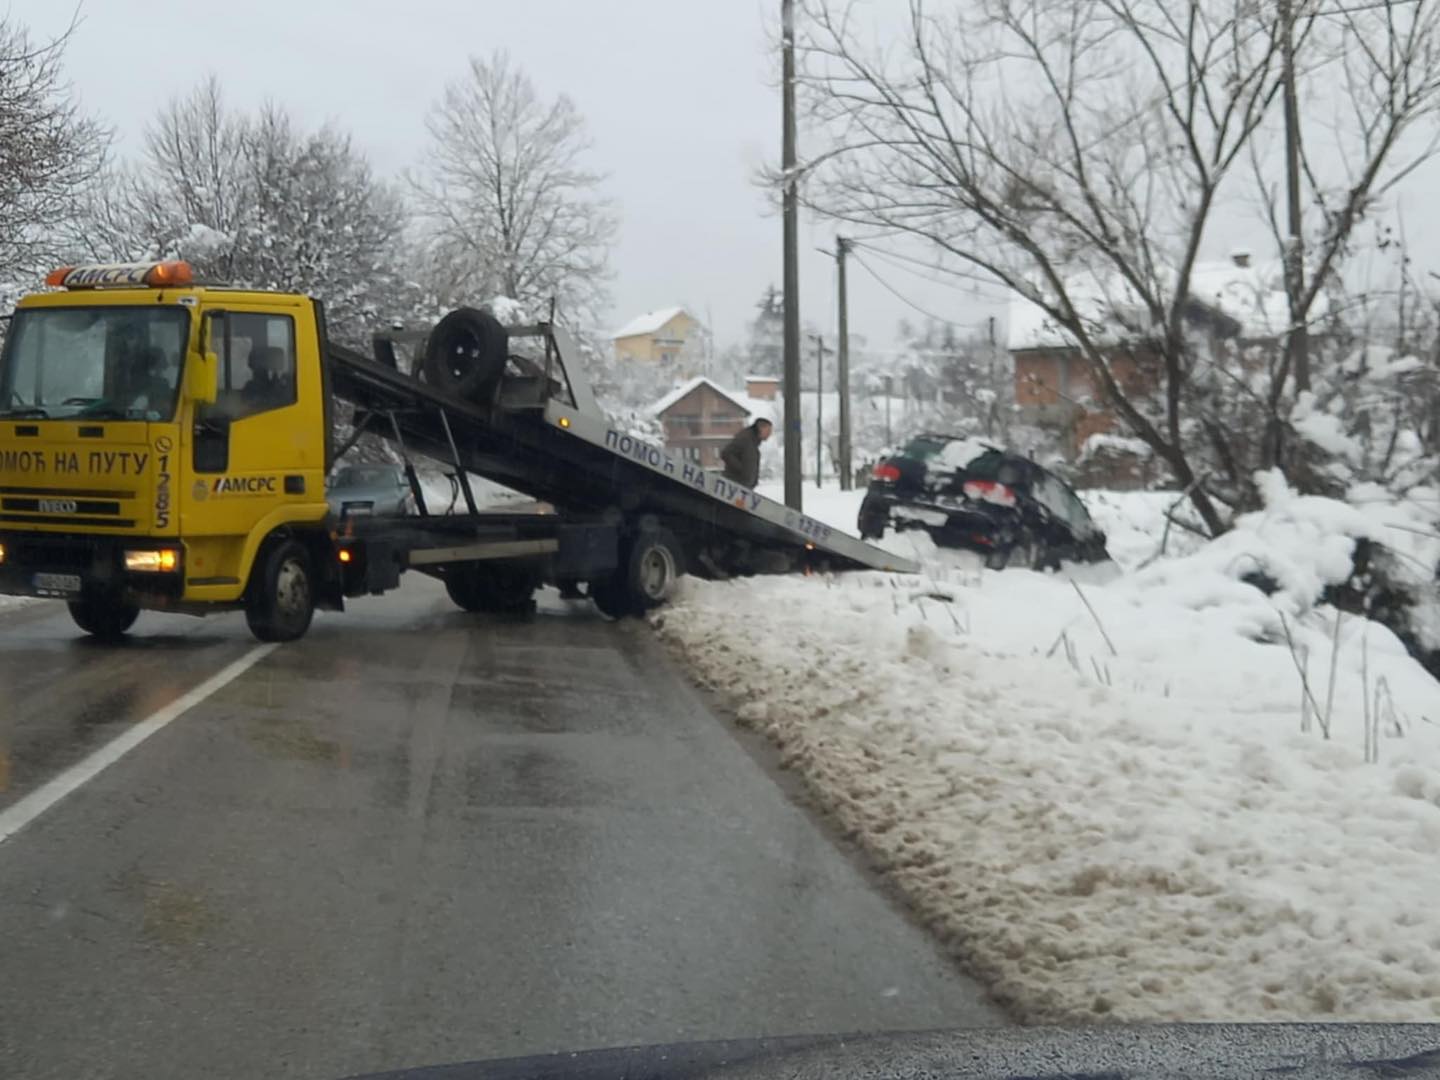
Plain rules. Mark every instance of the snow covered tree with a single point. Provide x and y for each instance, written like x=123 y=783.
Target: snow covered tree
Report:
x=626 y=388
x=965 y=379
x=250 y=200
x=323 y=224
x=508 y=203
x=49 y=150
x=766 y=341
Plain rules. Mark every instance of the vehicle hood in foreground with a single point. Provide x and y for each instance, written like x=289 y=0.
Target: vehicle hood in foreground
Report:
x=1211 y=1051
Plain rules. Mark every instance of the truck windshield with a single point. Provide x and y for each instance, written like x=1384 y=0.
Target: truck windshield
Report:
x=118 y=363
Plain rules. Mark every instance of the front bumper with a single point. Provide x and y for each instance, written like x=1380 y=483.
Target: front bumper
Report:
x=65 y=565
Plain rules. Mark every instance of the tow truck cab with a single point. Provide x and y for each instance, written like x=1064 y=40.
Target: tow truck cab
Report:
x=157 y=440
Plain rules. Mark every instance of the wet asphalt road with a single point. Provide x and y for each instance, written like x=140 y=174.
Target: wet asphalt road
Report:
x=415 y=837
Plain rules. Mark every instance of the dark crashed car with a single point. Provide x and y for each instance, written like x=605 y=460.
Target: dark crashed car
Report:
x=968 y=494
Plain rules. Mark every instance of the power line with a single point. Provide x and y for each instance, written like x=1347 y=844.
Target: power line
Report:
x=892 y=256
x=910 y=303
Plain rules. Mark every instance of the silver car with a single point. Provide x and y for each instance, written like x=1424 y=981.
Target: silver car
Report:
x=369 y=489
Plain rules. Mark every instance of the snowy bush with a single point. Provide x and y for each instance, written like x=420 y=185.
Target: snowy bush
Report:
x=1373 y=553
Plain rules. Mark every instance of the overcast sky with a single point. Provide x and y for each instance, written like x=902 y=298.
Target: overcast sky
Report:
x=679 y=96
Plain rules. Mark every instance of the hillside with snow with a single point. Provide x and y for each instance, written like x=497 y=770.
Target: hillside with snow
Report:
x=1110 y=792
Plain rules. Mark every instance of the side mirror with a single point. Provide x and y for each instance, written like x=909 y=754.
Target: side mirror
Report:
x=204 y=382
x=205 y=378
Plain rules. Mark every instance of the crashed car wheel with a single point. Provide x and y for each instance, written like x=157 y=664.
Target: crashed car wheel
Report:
x=1021 y=551
x=873 y=518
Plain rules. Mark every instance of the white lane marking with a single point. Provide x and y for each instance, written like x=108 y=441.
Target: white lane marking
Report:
x=16 y=817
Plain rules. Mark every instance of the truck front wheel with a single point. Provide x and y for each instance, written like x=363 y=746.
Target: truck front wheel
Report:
x=281 y=600
x=103 y=615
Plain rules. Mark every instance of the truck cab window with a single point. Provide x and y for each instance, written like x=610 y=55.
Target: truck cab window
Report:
x=257 y=370
x=94 y=363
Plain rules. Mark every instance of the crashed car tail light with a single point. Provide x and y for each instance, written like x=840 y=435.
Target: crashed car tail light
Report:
x=886 y=471
x=989 y=491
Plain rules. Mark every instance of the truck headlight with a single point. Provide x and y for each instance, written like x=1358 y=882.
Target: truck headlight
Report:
x=155 y=561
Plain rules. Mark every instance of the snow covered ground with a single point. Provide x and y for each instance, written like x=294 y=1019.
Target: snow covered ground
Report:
x=1116 y=811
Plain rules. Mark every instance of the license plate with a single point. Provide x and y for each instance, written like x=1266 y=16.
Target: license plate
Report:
x=57 y=584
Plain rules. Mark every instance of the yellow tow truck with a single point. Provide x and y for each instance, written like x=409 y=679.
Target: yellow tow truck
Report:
x=164 y=444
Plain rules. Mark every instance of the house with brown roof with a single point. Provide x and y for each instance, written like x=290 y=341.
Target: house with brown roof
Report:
x=1234 y=301
x=700 y=417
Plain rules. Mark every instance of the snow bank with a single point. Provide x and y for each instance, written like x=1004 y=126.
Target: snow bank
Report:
x=1124 y=823
x=1134 y=525
x=1103 y=442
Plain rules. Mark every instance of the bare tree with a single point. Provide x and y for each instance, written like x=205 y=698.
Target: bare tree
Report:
x=1074 y=152
x=1077 y=152
x=509 y=204
x=49 y=150
x=1372 y=73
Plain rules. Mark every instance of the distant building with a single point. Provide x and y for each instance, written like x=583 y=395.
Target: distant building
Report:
x=762 y=387
x=700 y=417
x=662 y=336
x=1230 y=301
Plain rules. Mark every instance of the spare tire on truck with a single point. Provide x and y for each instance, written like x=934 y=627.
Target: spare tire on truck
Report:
x=465 y=354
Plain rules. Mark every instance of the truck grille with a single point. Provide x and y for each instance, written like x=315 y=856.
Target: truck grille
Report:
x=58 y=506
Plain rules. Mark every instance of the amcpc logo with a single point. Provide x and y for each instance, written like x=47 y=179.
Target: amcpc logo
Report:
x=244 y=485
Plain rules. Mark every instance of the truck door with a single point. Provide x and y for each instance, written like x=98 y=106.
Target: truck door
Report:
x=256 y=456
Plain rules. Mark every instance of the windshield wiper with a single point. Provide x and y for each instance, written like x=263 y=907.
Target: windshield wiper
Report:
x=28 y=412
x=103 y=412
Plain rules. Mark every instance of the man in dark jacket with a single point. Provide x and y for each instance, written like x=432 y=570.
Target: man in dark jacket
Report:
x=742 y=453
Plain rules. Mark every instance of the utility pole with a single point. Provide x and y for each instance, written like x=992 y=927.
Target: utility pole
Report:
x=994 y=401
x=819 y=404
x=888 y=381
x=1297 y=342
x=794 y=477
x=842 y=376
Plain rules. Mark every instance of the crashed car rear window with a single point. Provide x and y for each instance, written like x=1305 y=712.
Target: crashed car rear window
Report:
x=922 y=449
x=987 y=466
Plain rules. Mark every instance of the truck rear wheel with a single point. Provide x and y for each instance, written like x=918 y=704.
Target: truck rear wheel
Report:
x=281 y=599
x=487 y=589
x=653 y=566
x=466 y=354
x=609 y=597
x=103 y=615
